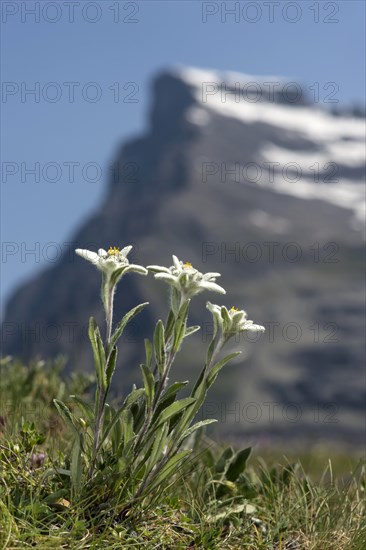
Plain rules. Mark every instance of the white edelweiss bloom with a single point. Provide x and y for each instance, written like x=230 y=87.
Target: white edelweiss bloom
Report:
x=233 y=320
x=185 y=278
x=112 y=260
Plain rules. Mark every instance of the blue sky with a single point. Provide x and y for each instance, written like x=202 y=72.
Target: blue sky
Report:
x=127 y=44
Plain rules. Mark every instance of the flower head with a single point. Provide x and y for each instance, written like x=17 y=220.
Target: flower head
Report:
x=38 y=460
x=187 y=279
x=232 y=321
x=114 y=262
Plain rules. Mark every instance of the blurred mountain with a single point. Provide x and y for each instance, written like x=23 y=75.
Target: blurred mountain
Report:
x=264 y=187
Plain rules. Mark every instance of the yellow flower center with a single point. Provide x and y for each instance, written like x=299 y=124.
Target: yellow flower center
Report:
x=187 y=264
x=113 y=251
x=234 y=309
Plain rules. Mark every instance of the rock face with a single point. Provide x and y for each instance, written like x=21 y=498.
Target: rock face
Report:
x=266 y=189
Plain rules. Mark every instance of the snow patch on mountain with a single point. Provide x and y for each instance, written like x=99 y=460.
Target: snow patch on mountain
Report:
x=334 y=142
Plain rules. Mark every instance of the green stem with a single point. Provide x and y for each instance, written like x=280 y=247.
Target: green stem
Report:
x=189 y=415
x=98 y=422
x=108 y=306
x=161 y=387
x=220 y=344
x=151 y=411
x=101 y=392
x=170 y=361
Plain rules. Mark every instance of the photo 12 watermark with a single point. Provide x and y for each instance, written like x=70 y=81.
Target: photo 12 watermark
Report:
x=28 y=12
x=68 y=171
x=69 y=92
x=272 y=91
x=270 y=252
x=254 y=412
x=269 y=172
x=50 y=252
x=270 y=12
x=65 y=333
x=291 y=332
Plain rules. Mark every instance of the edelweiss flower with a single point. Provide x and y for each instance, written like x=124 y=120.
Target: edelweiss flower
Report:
x=186 y=278
x=112 y=262
x=232 y=321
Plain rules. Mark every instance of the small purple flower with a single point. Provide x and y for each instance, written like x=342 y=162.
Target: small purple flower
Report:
x=38 y=460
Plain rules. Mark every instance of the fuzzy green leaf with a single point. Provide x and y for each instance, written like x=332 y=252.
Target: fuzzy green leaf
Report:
x=111 y=366
x=133 y=397
x=180 y=326
x=148 y=352
x=172 y=410
x=169 y=469
x=169 y=397
x=76 y=466
x=224 y=460
x=197 y=426
x=149 y=384
x=236 y=509
x=68 y=417
x=191 y=330
x=157 y=447
x=169 y=325
x=127 y=426
x=129 y=401
x=216 y=368
x=122 y=324
x=159 y=346
x=237 y=464
x=85 y=407
x=175 y=300
x=98 y=352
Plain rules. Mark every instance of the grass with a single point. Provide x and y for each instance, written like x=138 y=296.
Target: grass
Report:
x=294 y=503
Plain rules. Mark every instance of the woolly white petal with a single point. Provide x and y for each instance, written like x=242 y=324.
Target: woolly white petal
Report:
x=215 y=309
x=249 y=325
x=166 y=277
x=239 y=317
x=212 y=286
x=88 y=255
x=208 y=276
x=126 y=250
x=260 y=328
x=136 y=268
x=177 y=263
